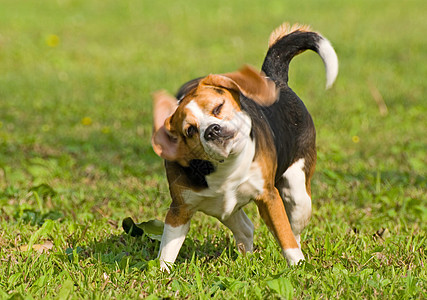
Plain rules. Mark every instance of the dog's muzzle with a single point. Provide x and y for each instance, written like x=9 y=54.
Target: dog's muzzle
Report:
x=216 y=132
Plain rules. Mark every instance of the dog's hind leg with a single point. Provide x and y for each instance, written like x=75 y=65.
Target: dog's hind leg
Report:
x=243 y=230
x=295 y=194
x=272 y=210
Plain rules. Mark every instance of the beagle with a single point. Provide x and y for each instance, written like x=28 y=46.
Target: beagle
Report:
x=244 y=136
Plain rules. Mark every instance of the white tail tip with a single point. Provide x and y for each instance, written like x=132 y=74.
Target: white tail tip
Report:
x=330 y=59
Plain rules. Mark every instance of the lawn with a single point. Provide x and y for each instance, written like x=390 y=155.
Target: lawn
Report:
x=76 y=159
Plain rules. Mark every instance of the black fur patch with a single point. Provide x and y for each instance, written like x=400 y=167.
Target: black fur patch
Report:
x=197 y=171
x=187 y=87
x=281 y=53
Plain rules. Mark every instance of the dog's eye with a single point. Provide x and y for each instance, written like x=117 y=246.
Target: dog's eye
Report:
x=191 y=130
x=217 y=110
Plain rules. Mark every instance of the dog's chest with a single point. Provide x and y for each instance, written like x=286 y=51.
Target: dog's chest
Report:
x=228 y=190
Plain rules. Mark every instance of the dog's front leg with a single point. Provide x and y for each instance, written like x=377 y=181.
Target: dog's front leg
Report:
x=177 y=224
x=272 y=210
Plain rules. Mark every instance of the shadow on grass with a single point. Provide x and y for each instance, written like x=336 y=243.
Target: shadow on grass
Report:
x=124 y=251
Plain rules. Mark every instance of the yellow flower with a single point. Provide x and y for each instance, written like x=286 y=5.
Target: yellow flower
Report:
x=355 y=139
x=86 y=121
x=105 y=130
x=52 y=40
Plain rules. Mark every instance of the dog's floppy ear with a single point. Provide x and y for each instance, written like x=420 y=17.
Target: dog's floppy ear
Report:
x=165 y=145
x=187 y=87
x=250 y=82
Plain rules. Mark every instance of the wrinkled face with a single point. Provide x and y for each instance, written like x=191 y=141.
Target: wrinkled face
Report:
x=209 y=125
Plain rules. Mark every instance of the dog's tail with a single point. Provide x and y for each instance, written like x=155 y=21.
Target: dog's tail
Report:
x=288 y=41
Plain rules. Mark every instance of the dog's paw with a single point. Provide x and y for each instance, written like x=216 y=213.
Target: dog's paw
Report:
x=293 y=256
x=165 y=266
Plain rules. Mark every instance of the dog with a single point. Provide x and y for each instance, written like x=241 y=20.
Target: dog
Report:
x=228 y=139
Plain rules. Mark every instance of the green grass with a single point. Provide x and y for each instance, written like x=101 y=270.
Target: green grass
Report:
x=75 y=154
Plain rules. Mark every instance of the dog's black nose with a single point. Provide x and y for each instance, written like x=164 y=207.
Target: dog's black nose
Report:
x=213 y=131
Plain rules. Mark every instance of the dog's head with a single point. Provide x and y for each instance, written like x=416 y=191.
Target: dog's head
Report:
x=208 y=124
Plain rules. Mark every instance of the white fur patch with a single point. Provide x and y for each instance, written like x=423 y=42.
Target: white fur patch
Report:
x=235 y=182
x=293 y=256
x=330 y=59
x=172 y=240
x=296 y=199
x=197 y=112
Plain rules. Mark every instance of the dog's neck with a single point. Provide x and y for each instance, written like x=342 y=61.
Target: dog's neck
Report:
x=232 y=171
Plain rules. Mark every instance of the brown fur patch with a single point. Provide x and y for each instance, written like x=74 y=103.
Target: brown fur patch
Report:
x=178 y=213
x=208 y=98
x=309 y=170
x=188 y=148
x=272 y=211
x=249 y=81
x=177 y=216
x=163 y=106
x=284 y=30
